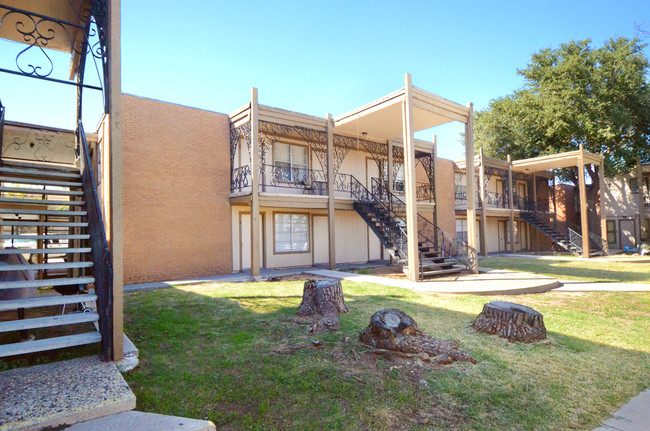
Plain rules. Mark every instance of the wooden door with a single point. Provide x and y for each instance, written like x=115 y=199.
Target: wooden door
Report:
x=245 y=241
x=321 y=240
x=628 y=233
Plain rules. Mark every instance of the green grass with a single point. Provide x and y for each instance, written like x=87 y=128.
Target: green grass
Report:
x=597 y=270
x=209 y=351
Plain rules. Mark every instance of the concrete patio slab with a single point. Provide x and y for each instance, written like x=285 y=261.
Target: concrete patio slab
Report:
x=633 y=416
x=141 y=421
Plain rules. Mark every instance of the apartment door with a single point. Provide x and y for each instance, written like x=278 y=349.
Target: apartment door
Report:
x=503 y=235
x=321 y=240
x=628 y=233
x=245 y=241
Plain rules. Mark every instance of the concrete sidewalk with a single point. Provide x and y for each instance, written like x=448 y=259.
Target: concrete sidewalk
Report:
x=587 y=286
x=633 y=416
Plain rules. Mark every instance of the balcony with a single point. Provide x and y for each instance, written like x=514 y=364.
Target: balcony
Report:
x=280 y=179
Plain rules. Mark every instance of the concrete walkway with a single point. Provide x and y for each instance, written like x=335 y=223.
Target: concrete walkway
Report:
x=633 y=416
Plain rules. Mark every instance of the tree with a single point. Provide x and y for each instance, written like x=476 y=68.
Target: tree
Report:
x=575 y=94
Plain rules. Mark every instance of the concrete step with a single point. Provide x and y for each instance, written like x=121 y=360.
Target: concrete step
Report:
x=60 y=393
x=46 y=237
x=40 y=202
x=144 y=422
x=39 y=182
x=47 y=344
x=39 y=191
x=45 y=266
x=37 y=171
x=453 y=270
x=42 y=212
x=26 y=284
x=7 y=222
x=46 y=301
x=49 y=321
x=61 y=250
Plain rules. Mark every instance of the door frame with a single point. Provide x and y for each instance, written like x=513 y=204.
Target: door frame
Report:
x=262 y=239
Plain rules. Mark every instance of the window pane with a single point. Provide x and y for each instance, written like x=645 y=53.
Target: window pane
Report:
x=299 y=155
x=281 y=152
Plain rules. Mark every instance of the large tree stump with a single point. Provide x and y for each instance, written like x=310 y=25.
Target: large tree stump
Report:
x=394 y=330
x=512 y=321
x=323 y=301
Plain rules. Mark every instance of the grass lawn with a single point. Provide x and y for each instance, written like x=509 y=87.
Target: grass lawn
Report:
x=573 y=269
x=223 y=352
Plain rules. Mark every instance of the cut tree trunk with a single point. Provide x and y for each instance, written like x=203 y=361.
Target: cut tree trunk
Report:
x=511 y=321
x=394 y=330
x=323 y=301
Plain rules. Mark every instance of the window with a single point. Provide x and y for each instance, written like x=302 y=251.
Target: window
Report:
x=291 y=233
x=634 y=185
x=460 y=186
x=461 y=230
x=290 y=162
x=611 y=231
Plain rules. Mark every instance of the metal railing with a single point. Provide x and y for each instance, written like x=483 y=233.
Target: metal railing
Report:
x=277 y=177
x=433 y=236
x=496 y=200
x=101 y=256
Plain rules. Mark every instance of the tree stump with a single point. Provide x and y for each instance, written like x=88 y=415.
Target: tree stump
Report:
x=323 y=301
x=511 y=321
x=394 y=330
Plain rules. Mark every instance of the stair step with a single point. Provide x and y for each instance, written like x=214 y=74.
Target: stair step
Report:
x=443 y=271
x=46 y=322
x=46 y=237
x=35 y=191
x=25 y=284
x=42 y=212
x=38 y=171
x=39 y=182
x=40 y=223
x=49 y=344
x=46 y=301
x=45 y=266
x=40 y=202
x=62 y=250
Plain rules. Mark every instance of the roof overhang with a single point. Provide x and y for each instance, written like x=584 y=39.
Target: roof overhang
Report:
x=382 y=119
x=556 y=161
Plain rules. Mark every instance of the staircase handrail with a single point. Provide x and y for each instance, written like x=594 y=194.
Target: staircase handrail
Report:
x=101 y=256
x=2 y=128
x=364 y=196
x=449 y=245
x=575 y=239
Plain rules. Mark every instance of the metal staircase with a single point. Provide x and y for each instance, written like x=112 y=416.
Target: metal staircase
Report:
x=439 y=252
x=55 y=256
x=563 y=234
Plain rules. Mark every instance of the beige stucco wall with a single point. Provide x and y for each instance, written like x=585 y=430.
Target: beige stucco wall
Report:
x=176 y=179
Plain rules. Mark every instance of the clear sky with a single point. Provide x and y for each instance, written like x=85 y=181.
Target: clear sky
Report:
x=317 y=57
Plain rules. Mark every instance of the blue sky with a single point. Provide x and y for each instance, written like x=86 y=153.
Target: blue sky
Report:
x=319 y=57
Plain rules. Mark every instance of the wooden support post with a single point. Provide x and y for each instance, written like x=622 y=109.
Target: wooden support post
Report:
x=537 y=245
x=470 y=181
x=409 y=182
x=603 y=210
x=331 y=213
x=483 y=186
x=512 y=206
x=114 y=110
x=640 y=203
x=584 y=221
x=255 y=183
x=390 y=166
x=435 y=189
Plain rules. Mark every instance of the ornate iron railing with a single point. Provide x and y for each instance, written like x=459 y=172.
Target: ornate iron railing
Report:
x=599 y=242
x=496 y=200
x=423 y=192
x=431 y=235
x=101 y=256
x=311 y=181
x=2 y=128
x=240 y=178
x=575 y=239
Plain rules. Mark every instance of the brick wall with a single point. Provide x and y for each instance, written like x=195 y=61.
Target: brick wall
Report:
x=176 y=178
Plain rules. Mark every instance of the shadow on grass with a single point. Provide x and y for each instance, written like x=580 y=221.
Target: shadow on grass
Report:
x=212 y=353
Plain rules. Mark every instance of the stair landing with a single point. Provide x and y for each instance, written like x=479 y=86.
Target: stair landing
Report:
x=61 y=393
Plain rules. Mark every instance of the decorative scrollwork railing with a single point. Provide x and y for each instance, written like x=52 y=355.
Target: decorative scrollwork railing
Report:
x=100 y=254
x=431 y=235
x=599 y=242
x=575 y=239
x=496 y=200
x=240 y=179
x=423 y=192
x=310 y=181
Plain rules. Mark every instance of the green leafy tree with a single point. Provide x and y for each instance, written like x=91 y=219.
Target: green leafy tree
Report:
x=575 y=94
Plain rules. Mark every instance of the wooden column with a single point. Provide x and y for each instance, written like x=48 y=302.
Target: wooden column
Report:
x=512 y=206
x=482 y=185
x=603 y=209
x=435 y=189
x=331 y=214
x=469 y=180
x=390 y=166
x=255 y=184
x=640 y=203
x=537 y=245
x=583 y=204
x=409 y=181
x=114 y=110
